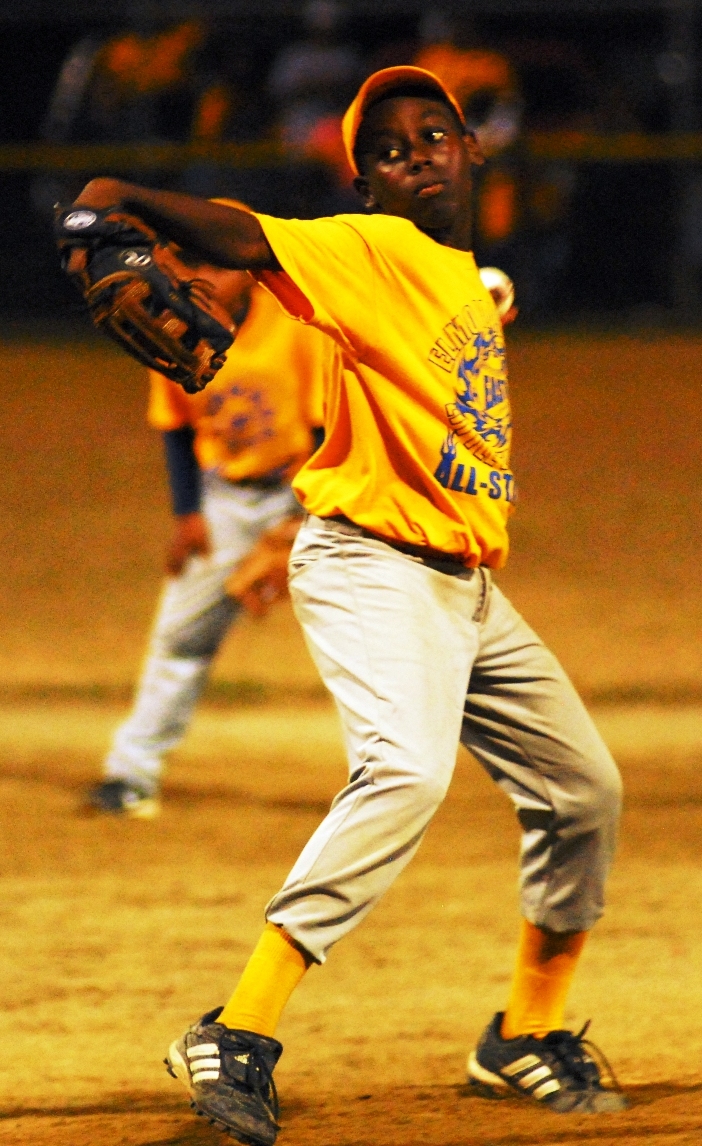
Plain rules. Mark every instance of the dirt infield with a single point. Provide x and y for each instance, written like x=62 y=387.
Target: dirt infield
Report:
x=116 y=935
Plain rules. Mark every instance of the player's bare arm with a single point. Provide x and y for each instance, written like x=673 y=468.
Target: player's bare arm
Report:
x=221 y=235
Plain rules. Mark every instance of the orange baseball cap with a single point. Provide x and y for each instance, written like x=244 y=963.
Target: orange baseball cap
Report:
x=380 y=83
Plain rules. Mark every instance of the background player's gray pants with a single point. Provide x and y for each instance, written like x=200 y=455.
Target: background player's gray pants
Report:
x=192 y=618
x=417 y=659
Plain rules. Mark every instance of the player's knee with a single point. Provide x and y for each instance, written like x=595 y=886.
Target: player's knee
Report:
x=192 y=646
x=604 y=800
x=202 y=636
x=428 y=793
x=414 y=788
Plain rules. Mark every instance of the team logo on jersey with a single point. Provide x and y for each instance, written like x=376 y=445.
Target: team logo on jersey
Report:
x=480 y=416
x=135 y=259
x=79 y=220
x=471 y=348
x=242 y=418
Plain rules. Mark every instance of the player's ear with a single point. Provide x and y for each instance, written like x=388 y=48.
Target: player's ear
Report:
x=474 y=149
x=361 y=185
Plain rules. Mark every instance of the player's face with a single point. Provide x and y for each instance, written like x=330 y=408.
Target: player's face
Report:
x=418 y=164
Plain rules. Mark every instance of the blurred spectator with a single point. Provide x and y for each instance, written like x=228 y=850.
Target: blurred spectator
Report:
x=483 y=81
x=314 y=78
x=134 y=86
x=560 y=94
x=324 y=144
x=485 y=84
x=244 y=63
x=312 y=82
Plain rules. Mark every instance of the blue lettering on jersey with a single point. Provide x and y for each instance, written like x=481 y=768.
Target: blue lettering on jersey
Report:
x=471 y=347
x=500 y=483
x=448 y=457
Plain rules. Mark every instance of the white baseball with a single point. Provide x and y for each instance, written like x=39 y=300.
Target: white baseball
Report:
x=500 y=287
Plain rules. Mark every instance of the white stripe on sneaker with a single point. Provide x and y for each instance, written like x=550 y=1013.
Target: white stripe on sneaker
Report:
x=537 y=1071
x=205 y=1075
x=203 y=1049
x=520 y=1064
x=546 y=1088
x=535 y=1076
x=205 y=1064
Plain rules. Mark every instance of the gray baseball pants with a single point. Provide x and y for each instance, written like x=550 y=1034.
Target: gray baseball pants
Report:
x=192 y=618
x=416 y=660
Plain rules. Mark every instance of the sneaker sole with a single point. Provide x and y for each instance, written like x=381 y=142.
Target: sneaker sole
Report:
x=245 y=1139
x=145 y=810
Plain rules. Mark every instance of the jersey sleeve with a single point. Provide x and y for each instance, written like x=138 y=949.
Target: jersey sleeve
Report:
x=168 y=407
x=183 y=470
x=326 y=278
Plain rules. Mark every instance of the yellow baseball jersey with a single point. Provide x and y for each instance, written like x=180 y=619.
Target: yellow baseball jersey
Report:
x=417 y=426
x=256 y=415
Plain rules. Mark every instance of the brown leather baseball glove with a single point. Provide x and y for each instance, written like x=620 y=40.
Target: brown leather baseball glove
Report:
x=262 y=577
x=143 y=296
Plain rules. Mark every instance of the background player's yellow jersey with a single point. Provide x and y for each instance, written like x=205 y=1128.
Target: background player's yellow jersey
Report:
x=255 y=417
x=417 y=422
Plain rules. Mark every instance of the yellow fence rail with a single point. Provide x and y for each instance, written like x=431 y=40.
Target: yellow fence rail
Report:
x=138 y=156
x=621 y=147
x=579 y=147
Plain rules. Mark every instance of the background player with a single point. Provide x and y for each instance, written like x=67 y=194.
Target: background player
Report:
x=390 y=577
x=231 y=451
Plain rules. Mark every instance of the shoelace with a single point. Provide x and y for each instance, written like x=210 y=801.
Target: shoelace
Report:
x=259 y=1077
x=571 y=1049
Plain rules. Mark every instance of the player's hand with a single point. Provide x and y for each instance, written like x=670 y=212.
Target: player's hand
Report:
x=510 y=315
x=262 y=577
x=191 y=537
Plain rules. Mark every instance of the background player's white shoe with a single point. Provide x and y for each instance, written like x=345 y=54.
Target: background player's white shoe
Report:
x=120 y=798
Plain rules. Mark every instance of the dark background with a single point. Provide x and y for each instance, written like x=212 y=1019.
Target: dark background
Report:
x=624 y=248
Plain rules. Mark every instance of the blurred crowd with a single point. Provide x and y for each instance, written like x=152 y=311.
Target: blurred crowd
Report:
x=203 y=81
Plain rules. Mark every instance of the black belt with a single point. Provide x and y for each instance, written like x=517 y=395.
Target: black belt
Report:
x=449 y=563
x=269 y=481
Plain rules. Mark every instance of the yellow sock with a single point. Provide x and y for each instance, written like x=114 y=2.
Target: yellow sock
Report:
x=546 y=962
x=269 y=979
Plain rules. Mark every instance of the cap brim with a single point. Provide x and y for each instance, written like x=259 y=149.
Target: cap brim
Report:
x=379 y=84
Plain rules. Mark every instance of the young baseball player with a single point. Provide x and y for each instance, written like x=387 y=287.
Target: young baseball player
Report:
x=407 y=505
x=231 y=451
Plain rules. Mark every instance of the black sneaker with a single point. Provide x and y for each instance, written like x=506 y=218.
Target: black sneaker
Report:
x=229 y=1075
x=121 y=798
x=556 y=1070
